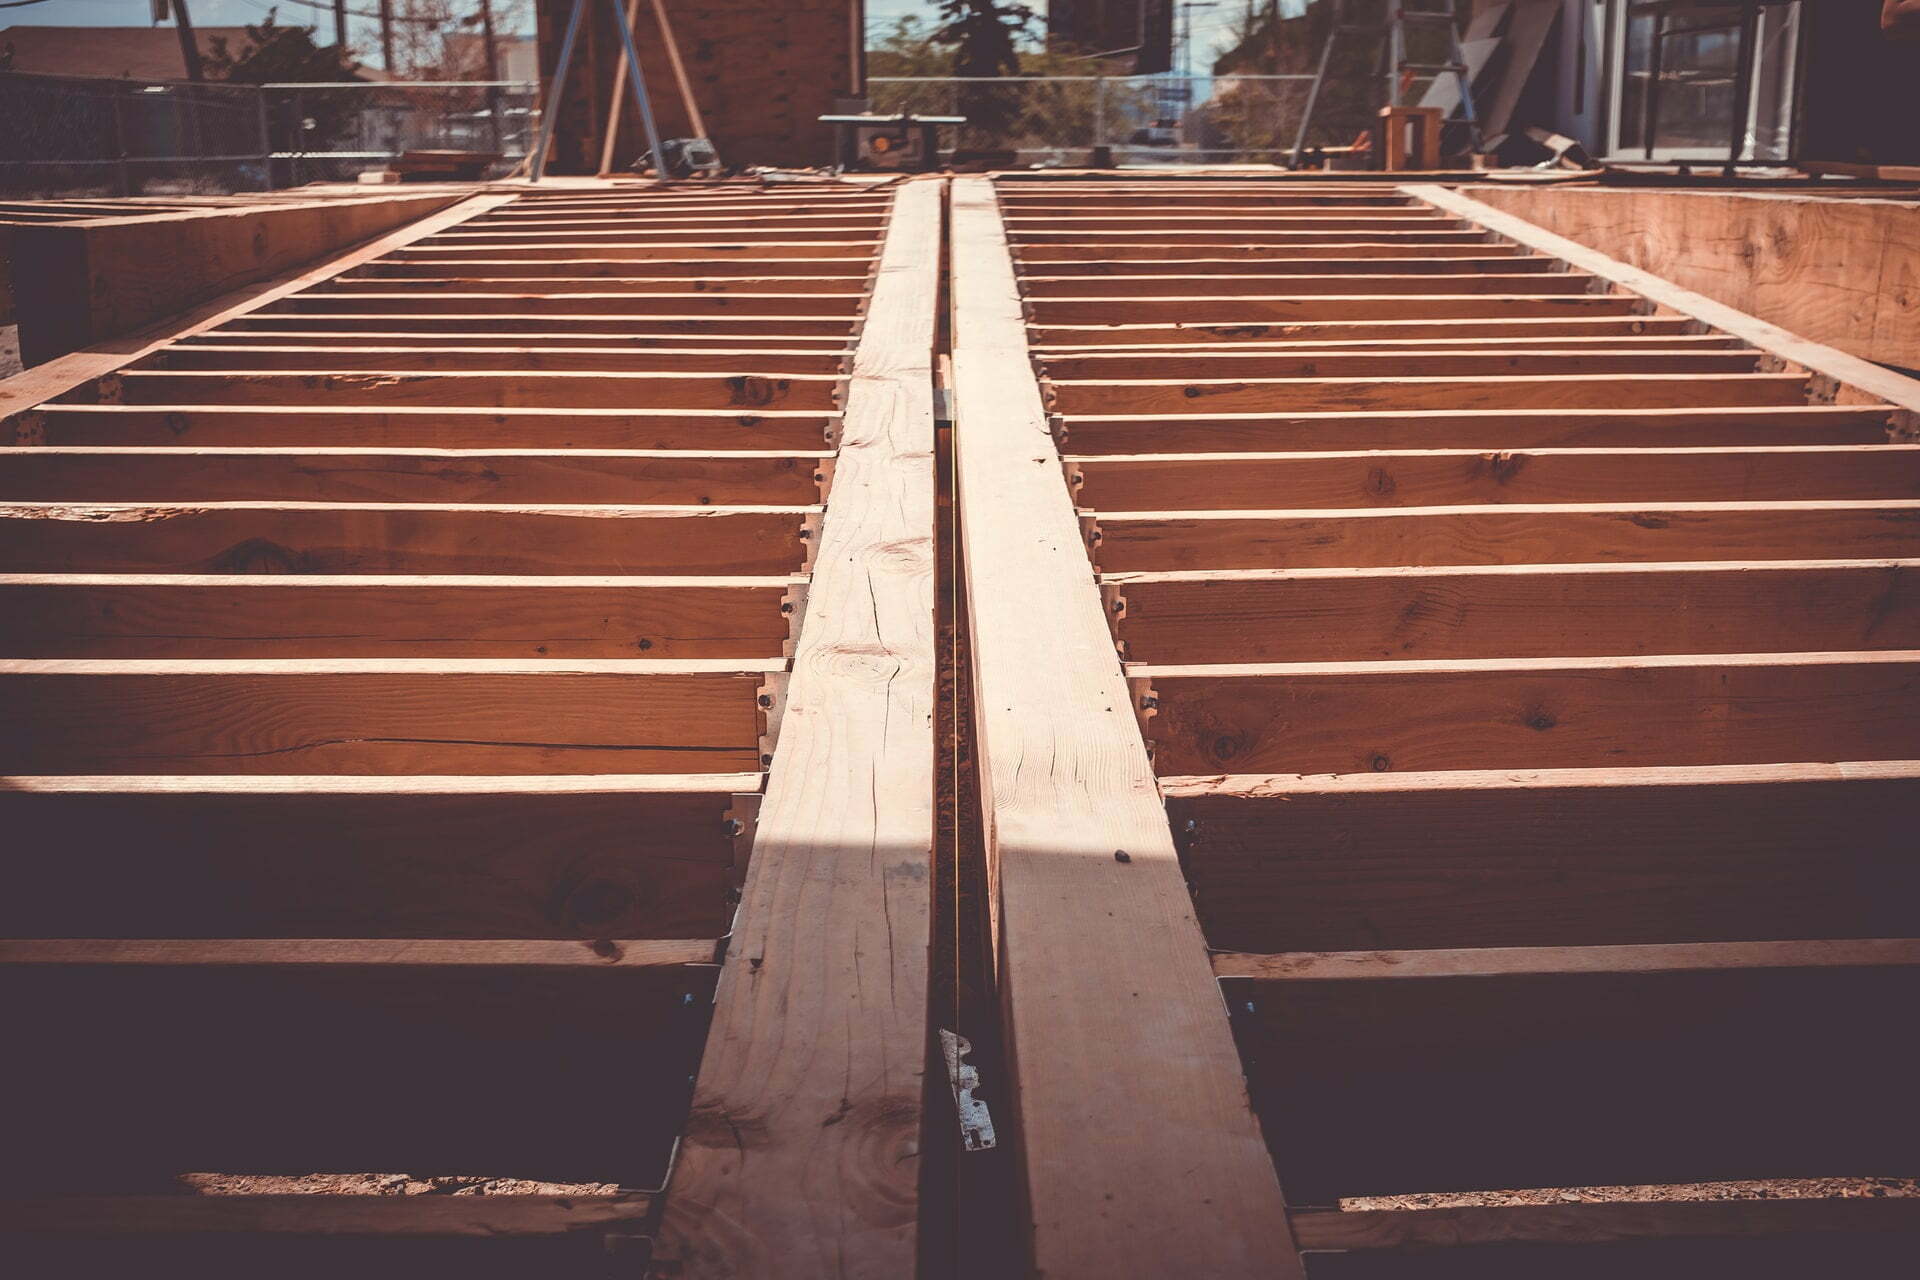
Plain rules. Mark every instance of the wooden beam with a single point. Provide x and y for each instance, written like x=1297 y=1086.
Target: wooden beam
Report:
x=1568 y=532
x=347 y=715
x=1574 y=857
x=1205 y=368
x=1495 y=323
x=584 y=857
x=59 y=376
x=475 y=389
x=629 y=477
x=1042 y=287
x=692 y=304
x=1361 y=395
x=1561 y=961
x=401 y=537
x=1855 y=379
x=1831 y=271
x=1502 y=713
x=126 y=615
x=1478 y=429
x=398 y=354
x=407 y=426
x=1444 y=477
x=1516 y=611
x=1592 y=1223
x=450 y=320
x=330 y=953
x=484 y=1217
x=472 y=283
x=1200 y=310
x=801 y=1156
x=78 y=283
x=1140 y=1156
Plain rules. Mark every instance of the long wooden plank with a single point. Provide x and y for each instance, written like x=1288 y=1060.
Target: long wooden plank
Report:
x=1855 y=379
x=689 y=305
x=641 y=343
x=1378 y=262
x=747 y=390
x=1445 y=477
x=397 y=354
x=583 y=857
x=484 y=1217
x=1560 y=961
x=1573 y=390
x=447 y=266
x=376 y=953
x=418 y=537
x=515 y=322
x=1513 y=713
x=1207 y=366
x=1214 y=287
x=1203 y=309
x=477 y=283
x=1482 y=429
x=1516 y=611
x=78 y=283
x=56 y=377
x=671 y=477
x=413 y=426
x=126 y=615
x=1596 y=1222
x=1725 y=853
x=1569 y=532
x=800 y=1158
x=447 y=715
x=1140 y=1156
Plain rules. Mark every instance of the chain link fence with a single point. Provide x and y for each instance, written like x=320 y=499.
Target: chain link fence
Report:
x=78 y=136
x=1144 y=120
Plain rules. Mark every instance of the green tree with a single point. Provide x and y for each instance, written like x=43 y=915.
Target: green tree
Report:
x=984 y=36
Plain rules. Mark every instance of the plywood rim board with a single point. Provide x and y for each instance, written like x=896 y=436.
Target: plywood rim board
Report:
x=1852 y=377
x=1140 y=1155
x=1840 y=271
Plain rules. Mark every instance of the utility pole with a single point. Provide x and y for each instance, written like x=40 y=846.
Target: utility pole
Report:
x=189 y=47
x=386 y=39
x=486 y=31
x=340 y=24
x=492 y=71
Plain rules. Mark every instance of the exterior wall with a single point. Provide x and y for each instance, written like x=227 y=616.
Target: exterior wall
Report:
x=761 y=71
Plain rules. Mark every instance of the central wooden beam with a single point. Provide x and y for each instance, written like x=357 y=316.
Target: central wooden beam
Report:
x=1140 y=1153
x=802 y=1154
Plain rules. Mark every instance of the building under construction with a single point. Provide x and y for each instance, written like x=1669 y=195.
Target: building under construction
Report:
x=860 y=709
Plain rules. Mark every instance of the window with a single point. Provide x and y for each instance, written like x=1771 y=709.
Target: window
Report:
x=1702 y=81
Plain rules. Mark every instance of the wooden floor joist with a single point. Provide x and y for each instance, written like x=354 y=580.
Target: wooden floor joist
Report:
x=1529 y=676
x=460 y=658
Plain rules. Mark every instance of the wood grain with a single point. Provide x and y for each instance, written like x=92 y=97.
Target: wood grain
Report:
x=1533 y=713
x=388 y=716
x=801 y=1154
x=1140 y=1156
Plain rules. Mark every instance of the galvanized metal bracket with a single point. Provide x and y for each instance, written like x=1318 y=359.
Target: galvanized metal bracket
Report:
x=976 y=1121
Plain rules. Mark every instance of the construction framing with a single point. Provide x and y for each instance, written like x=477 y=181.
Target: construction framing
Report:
x=424 y=653
x=1490 y=614
x=1446 y=706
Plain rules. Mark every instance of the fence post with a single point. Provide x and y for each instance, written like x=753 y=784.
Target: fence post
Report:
x=266 y=139
x=299 y=131
x=123 y=177
x=1099 y=111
